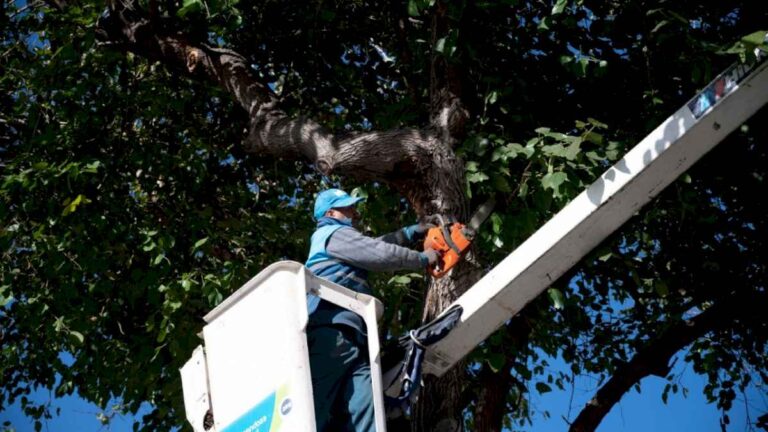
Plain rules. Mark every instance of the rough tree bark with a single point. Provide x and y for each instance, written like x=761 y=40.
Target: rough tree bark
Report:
x=419 y=163
x=440 y=403
x=495 y=386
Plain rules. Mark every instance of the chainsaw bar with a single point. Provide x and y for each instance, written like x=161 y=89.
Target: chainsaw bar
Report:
x=481 y=214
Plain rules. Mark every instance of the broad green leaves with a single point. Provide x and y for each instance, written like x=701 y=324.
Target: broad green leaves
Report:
x=748 y=45
x=557 y=153
x=553 y=181
x=128 y=208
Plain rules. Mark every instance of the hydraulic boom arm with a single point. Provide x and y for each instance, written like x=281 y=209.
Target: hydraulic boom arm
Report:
x=592 y=216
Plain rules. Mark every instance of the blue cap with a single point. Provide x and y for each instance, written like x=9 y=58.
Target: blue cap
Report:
x=333 y=198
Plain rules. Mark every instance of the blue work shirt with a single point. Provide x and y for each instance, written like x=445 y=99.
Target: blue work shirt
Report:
x=341 y=254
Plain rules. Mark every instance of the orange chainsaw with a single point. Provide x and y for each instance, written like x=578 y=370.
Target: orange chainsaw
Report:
x=452 y=239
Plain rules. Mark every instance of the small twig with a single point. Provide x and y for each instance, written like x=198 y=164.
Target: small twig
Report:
x=523 y=179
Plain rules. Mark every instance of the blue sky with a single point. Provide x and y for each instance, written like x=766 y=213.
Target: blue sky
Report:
x=646 y=411
x=635 y=413
x=76 y=416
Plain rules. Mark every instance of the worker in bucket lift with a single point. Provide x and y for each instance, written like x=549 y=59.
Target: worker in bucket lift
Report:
x=338 y=352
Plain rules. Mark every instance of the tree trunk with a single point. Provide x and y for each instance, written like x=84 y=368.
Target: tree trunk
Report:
x=494 y=386
x=440 y=407
x=419 y=163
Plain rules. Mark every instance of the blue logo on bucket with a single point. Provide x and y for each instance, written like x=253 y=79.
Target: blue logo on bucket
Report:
x=286 y=406
x=256 y=419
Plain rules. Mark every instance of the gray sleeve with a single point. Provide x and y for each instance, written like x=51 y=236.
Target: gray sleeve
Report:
x=349 y=245
x=395 y=237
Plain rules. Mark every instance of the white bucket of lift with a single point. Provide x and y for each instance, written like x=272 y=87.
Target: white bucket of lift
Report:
x=253 y=374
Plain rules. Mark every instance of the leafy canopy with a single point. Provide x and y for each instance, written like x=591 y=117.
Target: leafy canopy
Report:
x=129 y=209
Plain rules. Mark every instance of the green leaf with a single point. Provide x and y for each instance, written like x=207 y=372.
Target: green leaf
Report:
x=400 y=280
x=440 y=45
x=756 y=39
x=77 y=336
x=554 y=180
x=557 y=297
x=559 y=7
x=447 y=45
x=556 y=150
x=71 y=205
x=58 y=324
x=496 y=223
x=359 y=192
x=496 y=361
x=573 y=149
x=6 y=295
x=501 y=184
x=200 y=242
x=660 y=25
x=413 y=8
x=491 y=97
x=582 y=66
x=543 y=388
x=92 y=167
x=190 y=7
x=593 y=137
x=523 y=190
x=544 y=23
x=476 y=177
x=661 y=288
x=507 y=152
x=597 y=124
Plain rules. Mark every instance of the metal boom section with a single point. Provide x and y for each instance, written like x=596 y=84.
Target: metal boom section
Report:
x=622 y=190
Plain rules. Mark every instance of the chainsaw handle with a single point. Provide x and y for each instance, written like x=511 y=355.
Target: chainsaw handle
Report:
x=435 y=271
x=444 y=265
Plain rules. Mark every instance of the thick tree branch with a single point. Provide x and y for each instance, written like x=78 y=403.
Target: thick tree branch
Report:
x=412 y=160
x=655 y=358
x=447 y=111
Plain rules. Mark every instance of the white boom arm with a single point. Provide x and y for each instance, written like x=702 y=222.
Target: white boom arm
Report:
x=253 y=374
x=592 y=216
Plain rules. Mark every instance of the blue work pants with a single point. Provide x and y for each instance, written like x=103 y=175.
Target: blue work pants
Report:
x=341 y=379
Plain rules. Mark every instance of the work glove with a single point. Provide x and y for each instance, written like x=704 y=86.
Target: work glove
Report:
x=432 y=256
x=417 y=231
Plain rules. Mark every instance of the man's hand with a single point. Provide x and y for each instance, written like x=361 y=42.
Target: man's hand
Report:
x=432 y=255
x=417 y=231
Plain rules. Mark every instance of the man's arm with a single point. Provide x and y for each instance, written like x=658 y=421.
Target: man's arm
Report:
x=349 y=245
x=405 y=236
